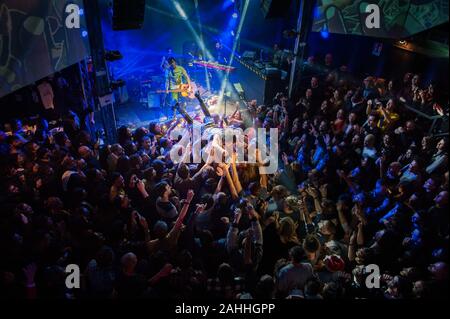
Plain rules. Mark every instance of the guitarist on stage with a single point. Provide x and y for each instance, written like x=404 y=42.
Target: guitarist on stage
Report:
x=176 y=75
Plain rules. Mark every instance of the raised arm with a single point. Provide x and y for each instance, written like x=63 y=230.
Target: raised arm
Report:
x=184 y=210
x=369 y=107
x=309 y=226
x=352 y=247
x=220 y=185
x=233 y=231
x=235 y=176
x=256 y=226
x=360 y=235
x=314 y=193
x=233 y=191
x=263 y=180
x=342 y=219
x=141 y=188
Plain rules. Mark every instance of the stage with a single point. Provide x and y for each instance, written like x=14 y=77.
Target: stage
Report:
x=135 y=114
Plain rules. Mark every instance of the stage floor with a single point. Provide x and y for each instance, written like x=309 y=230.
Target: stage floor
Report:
x=135 y=114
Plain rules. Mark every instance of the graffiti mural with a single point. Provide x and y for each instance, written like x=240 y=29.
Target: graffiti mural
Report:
x=398 y=18
x=35 y=42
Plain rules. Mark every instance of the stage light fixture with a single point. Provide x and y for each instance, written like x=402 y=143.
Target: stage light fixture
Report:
x=235 y=15
x=324 y=34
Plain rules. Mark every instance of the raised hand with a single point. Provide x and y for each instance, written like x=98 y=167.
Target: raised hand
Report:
x=200 y=208
x=312 y=191
x=284 y=157
x=237 y=215
x=224 y=167
x=219 y=171
x=140 y=186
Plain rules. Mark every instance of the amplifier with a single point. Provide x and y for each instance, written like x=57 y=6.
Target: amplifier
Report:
x=258 y=84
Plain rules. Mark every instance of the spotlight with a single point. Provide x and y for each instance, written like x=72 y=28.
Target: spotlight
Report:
x=84 y=33
x=232 y=33
x=403 y=42
x=235 y=15
x=81 y=12
x=324 y=33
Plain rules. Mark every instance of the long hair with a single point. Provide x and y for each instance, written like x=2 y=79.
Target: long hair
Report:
x=287 y=231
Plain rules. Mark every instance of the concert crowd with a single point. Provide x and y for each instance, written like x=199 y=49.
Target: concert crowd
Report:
x=362 y=185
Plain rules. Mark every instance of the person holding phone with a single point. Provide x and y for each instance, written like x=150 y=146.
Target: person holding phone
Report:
x=388 y=116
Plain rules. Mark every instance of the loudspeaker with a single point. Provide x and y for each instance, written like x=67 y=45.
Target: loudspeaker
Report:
x=256 y=86
x=128 y=14
x=275 y=9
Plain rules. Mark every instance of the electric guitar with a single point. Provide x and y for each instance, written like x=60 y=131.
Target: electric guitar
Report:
x=184 y=89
